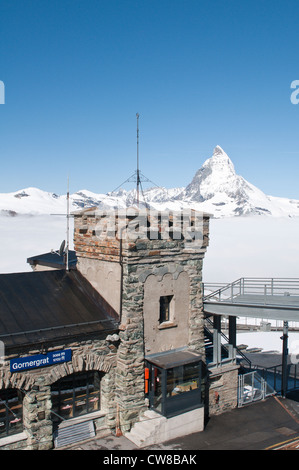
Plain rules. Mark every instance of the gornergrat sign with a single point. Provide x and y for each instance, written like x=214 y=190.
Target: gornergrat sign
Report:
x=40 y=360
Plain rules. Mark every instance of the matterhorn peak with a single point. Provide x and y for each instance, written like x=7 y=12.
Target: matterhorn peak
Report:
x=217 y=175
x=218 y=151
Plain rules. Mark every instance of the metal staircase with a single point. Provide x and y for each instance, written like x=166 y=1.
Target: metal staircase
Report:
x=208 y=331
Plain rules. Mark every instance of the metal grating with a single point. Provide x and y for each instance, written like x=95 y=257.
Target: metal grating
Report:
x=74 y=433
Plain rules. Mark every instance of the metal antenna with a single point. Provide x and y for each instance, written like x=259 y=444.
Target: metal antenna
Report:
x=138 y=176
x=64 y=247
x=67 y=226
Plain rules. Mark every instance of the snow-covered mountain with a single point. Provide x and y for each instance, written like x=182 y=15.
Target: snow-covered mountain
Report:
x=35 y=201
x=215 y=188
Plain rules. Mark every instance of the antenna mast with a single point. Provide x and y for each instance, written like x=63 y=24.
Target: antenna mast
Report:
x=138 y=177
x=68 y=226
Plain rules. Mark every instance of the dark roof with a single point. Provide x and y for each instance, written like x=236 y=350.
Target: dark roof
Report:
x=46 y=305
x=169 y=359
x=53 y=260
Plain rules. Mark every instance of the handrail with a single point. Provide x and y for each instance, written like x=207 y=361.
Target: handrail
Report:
x=221 y=290
x=227 y=339
x=253 y=286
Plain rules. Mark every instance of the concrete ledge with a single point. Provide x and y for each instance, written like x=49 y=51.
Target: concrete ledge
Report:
x=81 y=419
x=182 y=425
x=154 y=428
x=4 y=441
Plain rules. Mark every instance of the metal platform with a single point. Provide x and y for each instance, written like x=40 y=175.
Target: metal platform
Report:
x=273 y=298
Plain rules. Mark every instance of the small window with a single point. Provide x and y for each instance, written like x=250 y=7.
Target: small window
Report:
x=165 y=308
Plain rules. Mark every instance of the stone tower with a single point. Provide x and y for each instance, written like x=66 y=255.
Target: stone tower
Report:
x=148 y=267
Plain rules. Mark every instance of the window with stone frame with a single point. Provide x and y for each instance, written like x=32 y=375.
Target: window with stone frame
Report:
x=165 y=308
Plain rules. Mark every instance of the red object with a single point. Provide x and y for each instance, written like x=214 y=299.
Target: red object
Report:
x=146 y=377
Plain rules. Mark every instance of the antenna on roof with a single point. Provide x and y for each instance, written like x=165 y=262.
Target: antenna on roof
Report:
x=61 y=249
x=137 y=173
x=67 y=226
x=64 y=247
x=137 y=177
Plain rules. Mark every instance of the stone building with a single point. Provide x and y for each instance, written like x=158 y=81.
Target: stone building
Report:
x=120 y=334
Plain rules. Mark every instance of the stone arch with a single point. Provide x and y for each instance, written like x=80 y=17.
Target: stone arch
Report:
x=16 y=380
x=104 y=365
x=80 y=364
x=26 y=379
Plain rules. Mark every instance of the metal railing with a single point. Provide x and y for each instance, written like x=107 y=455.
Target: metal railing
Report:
x=252 y=387
x=262 y=287
x=207 y=329
x=273 y=375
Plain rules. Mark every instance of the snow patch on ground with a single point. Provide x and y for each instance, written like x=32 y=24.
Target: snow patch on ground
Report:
x=268 y=341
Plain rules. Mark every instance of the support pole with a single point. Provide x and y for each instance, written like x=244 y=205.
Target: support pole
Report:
x=284 y=382
x=67 y=226
x=232 y=330
x=232 y=336
x=217 y=339
x=137 y=175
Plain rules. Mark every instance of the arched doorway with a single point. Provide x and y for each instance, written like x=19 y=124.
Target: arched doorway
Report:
x=76 y=395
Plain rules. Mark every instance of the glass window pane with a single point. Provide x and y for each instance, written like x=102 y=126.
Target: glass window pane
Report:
x=2 y=420
x=76 y=395
x=94 y=394
x=182 y=379
x=66 y=404
x=191 y=376
x=157 y=388
x=165 y=302
x=11 y=412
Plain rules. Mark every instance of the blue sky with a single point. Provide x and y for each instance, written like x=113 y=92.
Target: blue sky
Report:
x=200 y=74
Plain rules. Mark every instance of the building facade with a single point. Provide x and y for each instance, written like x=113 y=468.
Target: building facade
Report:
x=127 y=326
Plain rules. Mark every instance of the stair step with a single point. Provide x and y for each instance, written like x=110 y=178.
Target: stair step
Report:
x=133 y=437
x=151 y=414
x=143 y=431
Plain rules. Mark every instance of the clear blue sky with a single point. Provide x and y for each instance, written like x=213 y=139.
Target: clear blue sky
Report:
x=199 y=72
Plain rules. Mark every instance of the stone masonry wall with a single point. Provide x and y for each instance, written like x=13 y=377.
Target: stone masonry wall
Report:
x=223 y=389
x=89 y=354
x=140 y=258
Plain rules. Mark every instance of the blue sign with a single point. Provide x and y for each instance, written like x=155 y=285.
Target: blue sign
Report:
x=40 y=360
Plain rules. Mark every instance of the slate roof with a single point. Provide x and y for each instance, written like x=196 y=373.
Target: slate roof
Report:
x=42 y=306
